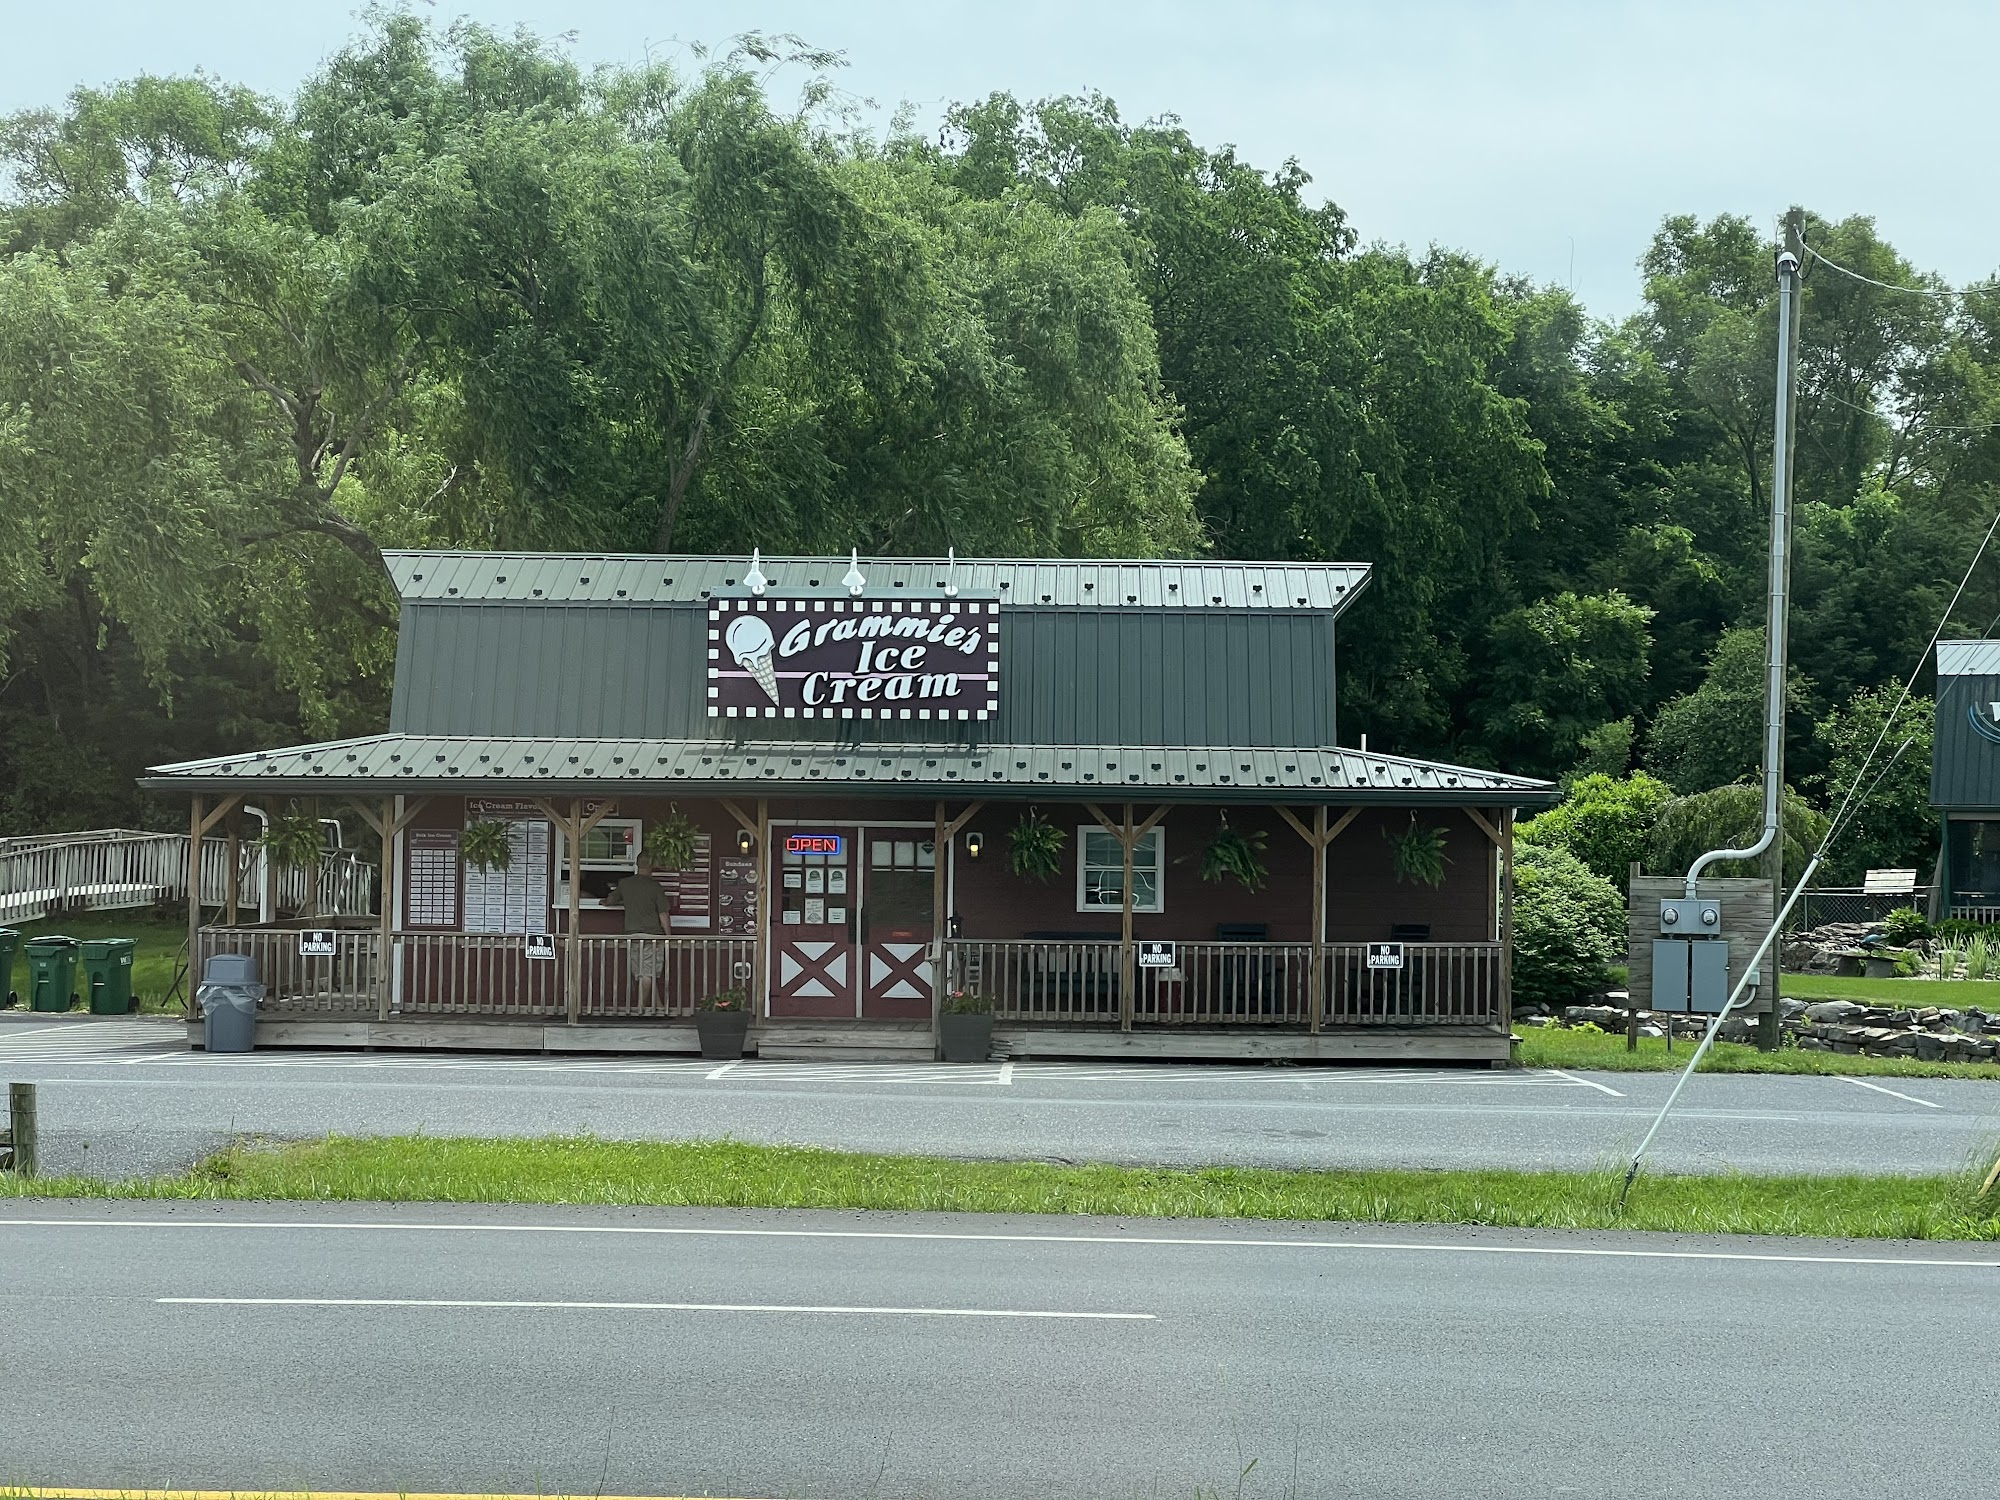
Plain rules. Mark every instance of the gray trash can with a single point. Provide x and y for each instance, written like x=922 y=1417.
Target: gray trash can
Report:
x=229 y=1016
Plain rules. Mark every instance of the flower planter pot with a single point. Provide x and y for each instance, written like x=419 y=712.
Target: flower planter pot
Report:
x=966 y=1039
x=722 y=1032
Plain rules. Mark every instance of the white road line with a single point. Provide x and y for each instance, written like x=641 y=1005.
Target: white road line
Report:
x=724 y=1069
x=1395 y=1247
x=1006 y=1078
x=1561 y=1073
x=739 y=1307
x=1862 y=1083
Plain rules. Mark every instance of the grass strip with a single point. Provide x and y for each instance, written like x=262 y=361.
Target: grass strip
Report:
x=1577 y=1047
x=734 y=1174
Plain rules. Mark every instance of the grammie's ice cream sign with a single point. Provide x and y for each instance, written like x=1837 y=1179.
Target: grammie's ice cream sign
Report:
x=853 y=659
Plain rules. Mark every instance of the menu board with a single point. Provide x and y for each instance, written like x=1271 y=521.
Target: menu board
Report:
x=430 y=877
x=736 y=902
x=693 y=889
x=515 y=899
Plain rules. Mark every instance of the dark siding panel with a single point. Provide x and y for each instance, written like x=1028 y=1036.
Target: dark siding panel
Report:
x=1965 y=765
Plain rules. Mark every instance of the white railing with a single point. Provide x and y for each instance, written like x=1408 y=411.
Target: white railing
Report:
x=110 y=869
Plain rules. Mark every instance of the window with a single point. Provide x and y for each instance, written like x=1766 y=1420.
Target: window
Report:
x=610 y=853
x=1100 y=870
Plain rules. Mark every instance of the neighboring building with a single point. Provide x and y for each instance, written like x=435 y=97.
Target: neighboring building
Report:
x=1965 y=778
x=854 y=746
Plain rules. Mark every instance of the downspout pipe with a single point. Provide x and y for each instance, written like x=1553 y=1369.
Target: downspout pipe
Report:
x=1776 y=613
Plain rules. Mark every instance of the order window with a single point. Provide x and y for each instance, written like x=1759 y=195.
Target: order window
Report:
x=610 y=853
x=1100 y=870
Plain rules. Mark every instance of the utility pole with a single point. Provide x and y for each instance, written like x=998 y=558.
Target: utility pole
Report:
x=1791 y=262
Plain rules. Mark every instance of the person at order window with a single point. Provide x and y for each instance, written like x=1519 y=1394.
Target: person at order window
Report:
x=648 y=913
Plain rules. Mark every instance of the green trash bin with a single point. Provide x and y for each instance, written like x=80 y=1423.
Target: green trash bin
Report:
x=51 y=972
x=107 y=974
x=9 y=940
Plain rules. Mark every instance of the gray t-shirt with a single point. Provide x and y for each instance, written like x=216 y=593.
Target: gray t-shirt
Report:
x=645 y=901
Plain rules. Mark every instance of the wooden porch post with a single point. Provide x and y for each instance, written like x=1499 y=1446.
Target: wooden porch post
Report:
x=1128 y=968
x=940 y=850
x=1317 y=986
x=573 y=946
x=390 y=900
x=195 y=827
x=234 y=899
x=760 y=978
x=1507 y=918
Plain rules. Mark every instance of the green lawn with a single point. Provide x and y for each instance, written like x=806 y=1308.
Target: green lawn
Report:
x=1567 y=1047
x=153 y=965
x=1953 y=994
x=731 y=1174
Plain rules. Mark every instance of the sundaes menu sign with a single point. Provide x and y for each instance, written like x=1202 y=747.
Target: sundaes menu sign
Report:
x=853 y=659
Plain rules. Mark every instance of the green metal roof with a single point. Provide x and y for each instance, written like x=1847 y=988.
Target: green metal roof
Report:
x=418 y=763
x=650 y=578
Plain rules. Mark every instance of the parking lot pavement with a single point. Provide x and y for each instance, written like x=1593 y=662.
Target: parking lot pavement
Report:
x=125 y=1096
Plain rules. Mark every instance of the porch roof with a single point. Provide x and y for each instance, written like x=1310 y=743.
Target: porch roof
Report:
x=388 y=763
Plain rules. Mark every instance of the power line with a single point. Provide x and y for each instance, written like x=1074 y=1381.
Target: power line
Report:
x=1871 y=411
x=1890 y=286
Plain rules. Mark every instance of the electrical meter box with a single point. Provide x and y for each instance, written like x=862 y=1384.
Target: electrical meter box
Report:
x=1691 y=916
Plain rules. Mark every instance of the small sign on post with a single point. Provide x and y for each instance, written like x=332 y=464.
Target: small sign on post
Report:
x=1153 y=955
x=316 y=942
x=539 y=945
x=1385 y=955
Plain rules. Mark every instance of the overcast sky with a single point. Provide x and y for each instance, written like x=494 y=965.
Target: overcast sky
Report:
x=1549 y=138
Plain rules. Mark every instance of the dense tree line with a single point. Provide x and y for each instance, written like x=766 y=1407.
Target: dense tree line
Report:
x=460 y=292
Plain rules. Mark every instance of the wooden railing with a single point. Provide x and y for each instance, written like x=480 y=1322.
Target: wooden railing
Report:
x=482 y=974
x=345 y=983
x=1230 y=984
x=646 y=976
x=1439 y=984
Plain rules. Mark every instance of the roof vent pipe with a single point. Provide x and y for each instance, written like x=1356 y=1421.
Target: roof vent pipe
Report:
x=951 y=572
x=1775 y=617
x=755 y=577
x=854 y=583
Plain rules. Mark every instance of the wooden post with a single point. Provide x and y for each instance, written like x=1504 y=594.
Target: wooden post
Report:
x=21 y=1112
x=1316 y=988
x=1128 y=967
x=390 y=899
x=1506 y=918
x=760 y=979
x=196 y=826
x=234 y=900
x=1631 y=1005
x=573 y=947
x=940 y=848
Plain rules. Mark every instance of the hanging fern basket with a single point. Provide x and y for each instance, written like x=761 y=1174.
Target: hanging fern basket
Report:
x=670 y=842
x=294 y=841
x=1235 y=855
x=486 y=845
x=1419 y=854
x=1035 y=847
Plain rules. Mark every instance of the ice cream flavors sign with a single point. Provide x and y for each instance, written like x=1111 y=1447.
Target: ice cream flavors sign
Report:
x=853 y=659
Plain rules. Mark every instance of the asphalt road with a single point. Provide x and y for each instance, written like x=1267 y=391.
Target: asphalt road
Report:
x=124 y=1097
x=660 y=1352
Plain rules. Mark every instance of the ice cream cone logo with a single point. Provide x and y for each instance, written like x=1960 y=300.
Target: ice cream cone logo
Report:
x=749 y=641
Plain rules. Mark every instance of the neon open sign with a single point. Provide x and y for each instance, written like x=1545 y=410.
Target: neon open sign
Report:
x=815 y=843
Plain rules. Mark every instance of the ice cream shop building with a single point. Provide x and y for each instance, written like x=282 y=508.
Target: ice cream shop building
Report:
x=1109 y=799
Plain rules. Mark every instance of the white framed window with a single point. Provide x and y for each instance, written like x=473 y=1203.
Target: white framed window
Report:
x=610 y=853
x=1100 y=870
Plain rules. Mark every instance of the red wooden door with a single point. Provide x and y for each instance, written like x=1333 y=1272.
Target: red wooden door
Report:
x=899 y=865
x=814 y=968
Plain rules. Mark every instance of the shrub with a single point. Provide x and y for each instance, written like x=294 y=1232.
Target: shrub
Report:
x=1605 y=821
x=1569 y=927
x=1903 y=926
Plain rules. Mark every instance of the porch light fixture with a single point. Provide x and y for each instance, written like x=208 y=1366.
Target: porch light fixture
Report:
x=854 y=583
x=755 y=579
x=744 y=842
x=975 y=844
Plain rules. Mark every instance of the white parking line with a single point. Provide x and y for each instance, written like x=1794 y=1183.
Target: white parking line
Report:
x=737 y=1307
x=1587 y=1083
x=1006 y=1077
x=724 y=1069
x=1862 y=1083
